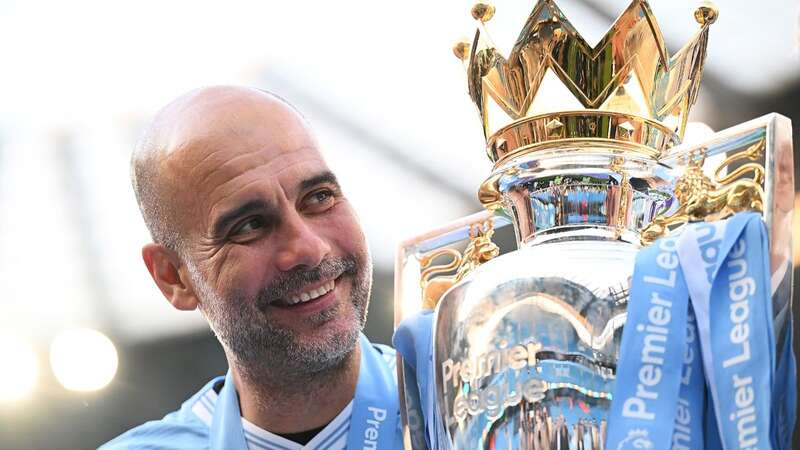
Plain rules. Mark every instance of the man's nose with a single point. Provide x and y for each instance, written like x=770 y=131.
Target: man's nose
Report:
x=299 y=244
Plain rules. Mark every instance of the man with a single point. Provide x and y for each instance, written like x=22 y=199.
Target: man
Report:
x=251 y=227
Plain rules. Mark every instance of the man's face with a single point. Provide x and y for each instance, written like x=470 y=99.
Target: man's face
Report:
x=276 y=253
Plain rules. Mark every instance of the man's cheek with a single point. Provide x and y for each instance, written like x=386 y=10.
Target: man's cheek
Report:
x=346 y=227
x=240 y=270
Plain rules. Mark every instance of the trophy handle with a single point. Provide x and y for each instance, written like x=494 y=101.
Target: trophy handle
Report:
x=419 y=284
x=414 y=269
x=433 y=281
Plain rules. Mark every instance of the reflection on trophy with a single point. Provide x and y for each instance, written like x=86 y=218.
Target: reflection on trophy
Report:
x=526 y=344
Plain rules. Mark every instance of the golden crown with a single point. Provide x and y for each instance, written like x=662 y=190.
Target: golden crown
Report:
x=625 y=91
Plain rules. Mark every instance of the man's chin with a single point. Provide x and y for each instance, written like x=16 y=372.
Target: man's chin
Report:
x=326 y=347
x=327 y=333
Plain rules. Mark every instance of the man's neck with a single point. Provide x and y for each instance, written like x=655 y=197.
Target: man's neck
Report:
x=284 y=406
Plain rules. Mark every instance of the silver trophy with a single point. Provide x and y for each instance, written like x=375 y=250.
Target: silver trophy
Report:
x=526 y=343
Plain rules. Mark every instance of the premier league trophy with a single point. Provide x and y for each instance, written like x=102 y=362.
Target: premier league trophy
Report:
x=589 y=169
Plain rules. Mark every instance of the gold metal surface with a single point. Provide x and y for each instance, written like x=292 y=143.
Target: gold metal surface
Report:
x=489 y=195
x=703 y=199
x=565 y=128
x=625 y=194
x=461 y=49
x=432 y=281
x=627 y=74
x=707 y=13
x=483 y=11
x=479 y=250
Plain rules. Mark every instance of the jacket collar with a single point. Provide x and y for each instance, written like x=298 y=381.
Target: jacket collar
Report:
x=226 y=426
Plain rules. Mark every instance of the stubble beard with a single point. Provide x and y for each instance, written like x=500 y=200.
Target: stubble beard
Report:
x=262 y=347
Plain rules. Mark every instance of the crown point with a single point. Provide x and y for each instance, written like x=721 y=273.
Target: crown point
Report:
x=461 y=49
x=625 y=131
x=555 y=129
x=707 y=13
x=483 y=11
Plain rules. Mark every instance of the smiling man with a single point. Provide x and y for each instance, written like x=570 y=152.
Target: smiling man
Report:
x=251 y=227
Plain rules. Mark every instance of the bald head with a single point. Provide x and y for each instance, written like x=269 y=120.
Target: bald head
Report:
x=186 y=131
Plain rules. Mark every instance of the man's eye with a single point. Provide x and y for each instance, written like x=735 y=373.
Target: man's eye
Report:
x=322 y=196
x=248 y=226
x=319 y=201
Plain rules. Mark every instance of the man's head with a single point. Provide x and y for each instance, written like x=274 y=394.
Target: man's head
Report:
x=251 y=227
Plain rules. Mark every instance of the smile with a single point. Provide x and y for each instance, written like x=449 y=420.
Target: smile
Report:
x=310 y=294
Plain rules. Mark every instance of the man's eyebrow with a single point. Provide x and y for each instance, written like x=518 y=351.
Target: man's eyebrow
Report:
x=323 y=178
x=228 y=217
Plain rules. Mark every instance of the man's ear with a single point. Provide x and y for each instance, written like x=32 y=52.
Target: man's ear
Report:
x=165 y=266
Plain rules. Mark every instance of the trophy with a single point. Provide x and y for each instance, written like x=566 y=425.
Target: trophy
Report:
x=588 y=169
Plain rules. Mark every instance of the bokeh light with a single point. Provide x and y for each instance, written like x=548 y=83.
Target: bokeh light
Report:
x=83 y=359
x=20 y=368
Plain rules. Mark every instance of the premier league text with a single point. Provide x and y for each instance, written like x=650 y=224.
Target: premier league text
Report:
x=492 y=399
x=741 y=287
x=656 y=334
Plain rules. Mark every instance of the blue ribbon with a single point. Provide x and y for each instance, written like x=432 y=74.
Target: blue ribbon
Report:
x=729 y=400
x=414 y=343
x=784 y=395
x=738 y=344
x=651 y=364
x=688 y=430
x=743 y=343
x=373 y=423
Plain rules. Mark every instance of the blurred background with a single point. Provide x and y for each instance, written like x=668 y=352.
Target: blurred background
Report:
x=88 y=346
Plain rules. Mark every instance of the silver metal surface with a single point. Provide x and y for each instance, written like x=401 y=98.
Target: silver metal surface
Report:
x=549 y=193
x=525 y=360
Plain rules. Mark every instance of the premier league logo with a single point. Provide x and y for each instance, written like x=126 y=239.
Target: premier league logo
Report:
x=636 y=440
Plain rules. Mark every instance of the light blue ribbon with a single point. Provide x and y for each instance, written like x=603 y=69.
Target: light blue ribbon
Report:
x=784 y=395
x=739 y=345
x=688 y=430
x=653 y=349
x=730 y=397
x=413 y=341
x=373 y=423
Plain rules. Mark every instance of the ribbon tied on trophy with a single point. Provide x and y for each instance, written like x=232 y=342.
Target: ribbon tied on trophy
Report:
x=678 y=367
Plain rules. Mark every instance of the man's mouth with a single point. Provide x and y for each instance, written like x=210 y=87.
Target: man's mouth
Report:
x=307 y=295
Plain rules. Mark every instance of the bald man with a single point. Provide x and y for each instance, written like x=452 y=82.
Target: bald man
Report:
x=250 y=227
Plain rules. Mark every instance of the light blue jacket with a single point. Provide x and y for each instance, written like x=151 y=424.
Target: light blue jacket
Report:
x=184 y=429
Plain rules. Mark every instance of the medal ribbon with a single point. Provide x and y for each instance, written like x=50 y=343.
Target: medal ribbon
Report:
x=649 y=390
x=723 y=395
x=373 y=423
